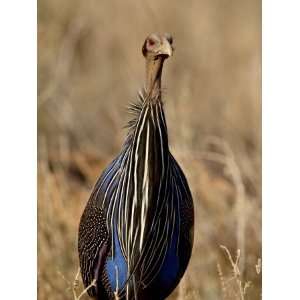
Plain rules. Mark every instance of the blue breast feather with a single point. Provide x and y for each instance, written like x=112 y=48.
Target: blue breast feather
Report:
x=169 y=272
x=116 y=266
x=166 y=277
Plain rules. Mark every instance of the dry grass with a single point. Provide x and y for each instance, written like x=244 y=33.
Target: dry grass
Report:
x=90 y=68
x=233 y=287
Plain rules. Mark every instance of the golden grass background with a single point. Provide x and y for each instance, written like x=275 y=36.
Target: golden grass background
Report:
x=90 y=67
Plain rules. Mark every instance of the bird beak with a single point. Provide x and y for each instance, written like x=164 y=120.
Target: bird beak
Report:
x=166 y=49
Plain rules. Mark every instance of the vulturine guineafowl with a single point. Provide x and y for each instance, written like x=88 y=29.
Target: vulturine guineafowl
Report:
x=136 y=232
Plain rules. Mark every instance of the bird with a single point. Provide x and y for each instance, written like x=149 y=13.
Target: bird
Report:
x=136 y=231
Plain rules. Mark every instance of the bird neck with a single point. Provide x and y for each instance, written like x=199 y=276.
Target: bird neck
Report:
x=153 y=76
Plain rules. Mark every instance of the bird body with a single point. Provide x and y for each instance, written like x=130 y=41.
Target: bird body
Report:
x=136 y=232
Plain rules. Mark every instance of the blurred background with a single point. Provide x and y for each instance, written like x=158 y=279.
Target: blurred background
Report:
x=90 y=67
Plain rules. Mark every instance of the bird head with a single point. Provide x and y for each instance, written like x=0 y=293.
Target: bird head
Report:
x=158 y=46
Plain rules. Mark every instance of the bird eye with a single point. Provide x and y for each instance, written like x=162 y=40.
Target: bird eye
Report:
x=151 y=42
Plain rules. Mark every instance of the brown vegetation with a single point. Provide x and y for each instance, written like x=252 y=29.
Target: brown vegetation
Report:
x=90 y=67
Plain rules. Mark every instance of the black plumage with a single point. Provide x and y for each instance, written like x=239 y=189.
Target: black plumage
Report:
x=136 y=232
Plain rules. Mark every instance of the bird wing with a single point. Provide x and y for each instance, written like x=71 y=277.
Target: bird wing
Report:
x=93 y=238
x=92 y=243
x=186 y=204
